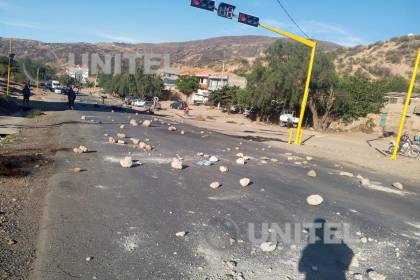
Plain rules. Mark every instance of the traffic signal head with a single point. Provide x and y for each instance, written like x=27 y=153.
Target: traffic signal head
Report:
x=204 y=4
x=226 y=10
x=248 y=19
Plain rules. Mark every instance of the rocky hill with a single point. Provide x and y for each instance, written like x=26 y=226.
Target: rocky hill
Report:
x=234 y=51
x=395 y=56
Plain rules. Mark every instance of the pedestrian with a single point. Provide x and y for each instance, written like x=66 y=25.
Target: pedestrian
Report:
x=71 y=96
x=26 y=95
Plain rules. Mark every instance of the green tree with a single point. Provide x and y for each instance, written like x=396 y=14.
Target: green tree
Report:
x=187 y=85
x=358 y=96
x=138 y=85
x=277 y=82
x=226 y=96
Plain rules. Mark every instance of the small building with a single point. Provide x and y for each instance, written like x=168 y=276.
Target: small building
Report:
x=217 y=82
x=392 y=112
x=169 y=77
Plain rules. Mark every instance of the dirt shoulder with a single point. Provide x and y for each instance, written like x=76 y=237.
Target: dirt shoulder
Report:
x=359 y=149
x=26 y=162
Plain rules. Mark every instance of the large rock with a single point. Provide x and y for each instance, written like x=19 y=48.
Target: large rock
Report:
x=172 y=128
x=121 y=135
x=244 y=182
x=314 y=200
x=215 y=185
x=311 y=173
x=148 y=148
x=111 y=140
x=135 y=141
x=122 y=126
x=80 y=150
x=126 y=162
x=398 y=185
x=177 y=164
x=223 y=169
x=77 y=169
x=241 y=161
x=147 y=123
x=134 y=122
x=365 y=182
x=347 y=174
x=268 y=246
x=213 y=159
x=142 y=145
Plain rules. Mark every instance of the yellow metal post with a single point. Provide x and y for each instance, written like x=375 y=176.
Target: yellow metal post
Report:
x=289 y=141
x=312 y=45
x=37 y=80
x=307 y=42
x=9 y=69
x=305 y=95
x=407 y=103
x=300 y=136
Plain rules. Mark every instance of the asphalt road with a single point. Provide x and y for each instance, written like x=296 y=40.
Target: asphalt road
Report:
x=114 y=223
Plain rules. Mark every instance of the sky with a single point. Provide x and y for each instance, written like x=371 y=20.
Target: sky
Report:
x=346 y=22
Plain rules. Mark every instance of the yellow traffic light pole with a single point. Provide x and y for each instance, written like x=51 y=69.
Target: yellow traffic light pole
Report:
x=407 y=103
x=9 y=69
x=312 y=45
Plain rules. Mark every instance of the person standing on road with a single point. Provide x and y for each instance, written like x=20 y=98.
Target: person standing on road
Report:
x=71 y=96
x=26 y=94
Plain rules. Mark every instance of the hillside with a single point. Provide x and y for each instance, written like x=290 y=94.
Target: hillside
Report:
x=395 y=56
x=234 y=51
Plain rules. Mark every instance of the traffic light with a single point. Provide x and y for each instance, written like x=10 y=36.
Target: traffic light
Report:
x=248 y=19
x=204 y=4
x=226 y=10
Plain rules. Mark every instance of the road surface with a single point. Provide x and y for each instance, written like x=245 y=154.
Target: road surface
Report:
x=109 y=222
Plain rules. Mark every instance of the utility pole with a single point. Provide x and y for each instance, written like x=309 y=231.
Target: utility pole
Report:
x=9 y=68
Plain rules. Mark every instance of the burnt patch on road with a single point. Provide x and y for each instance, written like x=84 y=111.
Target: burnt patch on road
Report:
x=19 y=165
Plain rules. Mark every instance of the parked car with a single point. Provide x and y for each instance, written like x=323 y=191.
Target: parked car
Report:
x=138 y=103
x=58 y=90
x=288 y=119
x=179 y=105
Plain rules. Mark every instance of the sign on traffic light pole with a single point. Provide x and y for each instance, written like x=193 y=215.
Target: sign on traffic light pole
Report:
x=227 y=11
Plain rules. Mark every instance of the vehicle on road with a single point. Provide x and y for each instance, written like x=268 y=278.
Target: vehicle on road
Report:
x=179 y=105
x=288 y=119
x=138 y=103
x=53 y=85
x=58 y=90
x=407 y=148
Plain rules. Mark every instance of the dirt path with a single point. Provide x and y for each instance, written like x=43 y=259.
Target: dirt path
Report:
x=26 y=162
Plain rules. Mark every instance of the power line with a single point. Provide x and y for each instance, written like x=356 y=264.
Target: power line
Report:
x=290 y=17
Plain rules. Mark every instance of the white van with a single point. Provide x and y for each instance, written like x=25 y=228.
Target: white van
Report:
x=54 y=86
